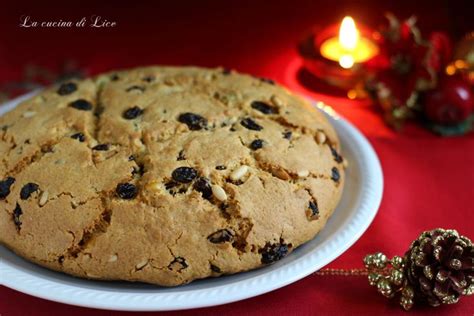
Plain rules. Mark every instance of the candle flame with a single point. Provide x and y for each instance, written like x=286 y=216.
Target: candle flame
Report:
x=346 y=61
x=350 y=47
x=348 y=34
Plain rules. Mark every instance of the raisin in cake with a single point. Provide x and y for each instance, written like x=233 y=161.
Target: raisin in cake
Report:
x=165 y=175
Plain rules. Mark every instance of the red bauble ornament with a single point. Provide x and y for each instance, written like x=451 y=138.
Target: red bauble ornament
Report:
x=450 y=103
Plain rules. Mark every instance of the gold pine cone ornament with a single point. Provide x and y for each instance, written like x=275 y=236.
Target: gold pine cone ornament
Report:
x=437 y=269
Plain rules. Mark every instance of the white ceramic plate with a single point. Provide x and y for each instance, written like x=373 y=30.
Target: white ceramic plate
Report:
x=359 y=204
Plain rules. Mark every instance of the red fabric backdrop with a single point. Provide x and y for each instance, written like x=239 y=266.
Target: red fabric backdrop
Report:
x=428 y=180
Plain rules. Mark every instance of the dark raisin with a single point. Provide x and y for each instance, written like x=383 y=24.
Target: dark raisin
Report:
x=67 y=88
x=221 y=167
x=335 y=176
x=142 y=89
x=27 y=190
x=16 y=216
x=79 y=136
x=170 y=185
x=215 y=269
x=149 y=79
x=256 y=144
x=273 y=252
x=221 y=236
x=184 y=174
x=266 y=80
x=263 y=107
x=61 y=259
x=178 y=264
x=287 y=134
x=81 y=104
x=101 y=147
x=131 y=158
x=174 y=188
x=194 y=121
x=126 y=191
x=132 y=113
x=181 y=156
x=5 y=187
x=335 y=154
x=313 y=210
x=114 y=77
x=250 y=124
x=204 y=186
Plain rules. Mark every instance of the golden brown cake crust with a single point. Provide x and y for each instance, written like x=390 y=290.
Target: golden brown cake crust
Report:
x=165 y=175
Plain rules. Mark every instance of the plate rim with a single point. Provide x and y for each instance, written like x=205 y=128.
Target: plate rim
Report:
x=36 y=286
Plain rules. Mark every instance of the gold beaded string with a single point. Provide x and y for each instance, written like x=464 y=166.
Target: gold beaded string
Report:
x=342 y=272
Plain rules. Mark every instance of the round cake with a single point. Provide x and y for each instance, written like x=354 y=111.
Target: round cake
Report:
x=165 y=175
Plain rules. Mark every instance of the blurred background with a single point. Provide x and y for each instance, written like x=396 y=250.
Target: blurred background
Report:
x=259 y=37
x=425 y=175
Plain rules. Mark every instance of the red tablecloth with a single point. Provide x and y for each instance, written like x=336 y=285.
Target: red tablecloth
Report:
x=428 y=180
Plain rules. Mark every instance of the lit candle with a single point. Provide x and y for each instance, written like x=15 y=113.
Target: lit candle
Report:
x=349 y=47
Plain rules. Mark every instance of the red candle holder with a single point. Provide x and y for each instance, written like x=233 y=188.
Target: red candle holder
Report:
x=328 y=70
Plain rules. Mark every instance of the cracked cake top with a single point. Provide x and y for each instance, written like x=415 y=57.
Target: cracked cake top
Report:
x=165 y=175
